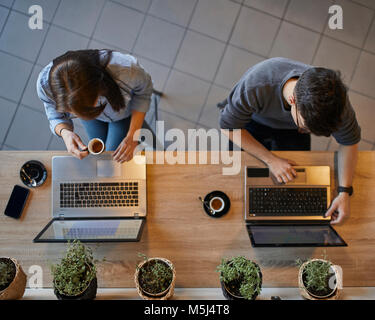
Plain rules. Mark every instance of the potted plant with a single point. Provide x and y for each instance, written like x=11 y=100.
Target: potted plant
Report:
x=319 y=279
x=74 y=278
x=12 y=279
x=240 y=278
x=155 y=278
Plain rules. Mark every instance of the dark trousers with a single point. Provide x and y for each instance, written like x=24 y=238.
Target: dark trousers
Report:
x=279 y=139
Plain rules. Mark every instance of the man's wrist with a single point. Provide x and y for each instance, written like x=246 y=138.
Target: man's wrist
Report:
x=345 y=190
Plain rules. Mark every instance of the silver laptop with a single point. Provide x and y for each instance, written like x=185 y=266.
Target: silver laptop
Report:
x=96 y=200
x=291 y=214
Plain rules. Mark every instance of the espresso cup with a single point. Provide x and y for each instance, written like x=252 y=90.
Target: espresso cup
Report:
x=96 y=146
x=217 y=204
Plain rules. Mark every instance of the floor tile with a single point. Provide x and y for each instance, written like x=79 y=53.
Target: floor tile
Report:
x=18 y=39
x=365 y=146
x=364 y=77
x=274 y=7
x=173 y=122
x=184 y=95
x=210 y=113
x=30 y=97
x=370 y=42
x=49 y=7
x=79 y=15
x=255 y=31
x=7 y=3
x=176 y=11
x=159 y=40
x=337 y=55
x=16 y=73
x=235 y=63
x=199 y=55
x=333 y=145
x=365 y=111
x=57 y=143
x=3 y=15
x=119 y=26
x=29 y=131
x=80 y=131
x=317 y=13
x=7 y=110
x=94 y=44
x=157 y=72
x=58 y=42
x=141 y=5
x=319 y=143
x=8 y=148
x=367 y=3
x=215 y=18
x=357 y=20
x=295 y=43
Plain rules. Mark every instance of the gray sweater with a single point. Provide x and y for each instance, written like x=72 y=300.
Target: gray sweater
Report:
x=258 y=96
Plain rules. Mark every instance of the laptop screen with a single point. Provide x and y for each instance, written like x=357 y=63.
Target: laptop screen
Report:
x=92 y=230
x=294 y=236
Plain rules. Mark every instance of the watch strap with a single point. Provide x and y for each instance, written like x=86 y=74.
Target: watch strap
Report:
x=345 y=189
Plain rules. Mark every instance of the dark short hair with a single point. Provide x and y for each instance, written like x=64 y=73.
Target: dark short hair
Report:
x=78 y=78
x=320 y=99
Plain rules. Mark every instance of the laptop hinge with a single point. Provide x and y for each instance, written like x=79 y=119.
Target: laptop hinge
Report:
x=61 y=216
x=136 y=215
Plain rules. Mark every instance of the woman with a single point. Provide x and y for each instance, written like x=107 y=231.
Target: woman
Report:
x=108 y=91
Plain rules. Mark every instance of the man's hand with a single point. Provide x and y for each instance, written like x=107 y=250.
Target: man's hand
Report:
x=339 y=209
x=282 y=169
x=125 y=150
x=74 y=144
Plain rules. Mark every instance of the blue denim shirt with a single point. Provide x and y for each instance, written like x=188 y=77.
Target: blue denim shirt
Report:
x=134 y=82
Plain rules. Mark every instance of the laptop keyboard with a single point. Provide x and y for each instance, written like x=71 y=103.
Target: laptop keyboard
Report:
x=101 y=194
x=287 y=201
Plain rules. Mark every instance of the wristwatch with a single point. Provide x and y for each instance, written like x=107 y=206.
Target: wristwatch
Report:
x=345 y=189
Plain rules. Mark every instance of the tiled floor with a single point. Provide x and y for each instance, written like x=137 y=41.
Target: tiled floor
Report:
x=195 y=51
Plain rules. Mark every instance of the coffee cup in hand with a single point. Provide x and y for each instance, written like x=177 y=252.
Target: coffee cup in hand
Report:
x=96 y=146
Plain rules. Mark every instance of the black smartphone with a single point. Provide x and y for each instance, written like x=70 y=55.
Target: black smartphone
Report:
x=16 y=202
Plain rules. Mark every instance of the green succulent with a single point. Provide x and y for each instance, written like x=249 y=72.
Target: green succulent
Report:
x=6 y=273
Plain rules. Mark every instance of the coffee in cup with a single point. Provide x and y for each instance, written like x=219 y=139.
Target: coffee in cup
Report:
x=96 y=146
x=217 y=204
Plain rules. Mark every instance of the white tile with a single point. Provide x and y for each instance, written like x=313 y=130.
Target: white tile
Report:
x=319 y=143
x=141 y=5
x=58 y=42
x=307 y=13
x=157 y=72
x=8 y=148
x=274 y=7
x=235 y=63
x=7 y=3
x=364 y=77
x=255 y=31
x=176 y=11
x=199 y=55
x=119 y=26
x=17 y=72
x=215 y=18
x=337 y=55
x=333 y=145
x=365 y=111
x=370 y=42
x=184 y=95
x=356 y=21
x=3 y=15
x=29 y=130
x=94 y=44
x=80 y=131
x=49 y=7
x=367 y=3
x=210 y=113
x=30 y=97
x=18 y=39
x=79 y=15
x=159 y=40
x=365 y=146
x=296 y=43
x=57 y=143
x=7 y=110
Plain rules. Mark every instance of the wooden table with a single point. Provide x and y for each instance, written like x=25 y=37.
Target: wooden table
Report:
x=178 y=229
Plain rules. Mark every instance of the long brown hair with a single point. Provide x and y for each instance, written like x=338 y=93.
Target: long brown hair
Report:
x=78 y=78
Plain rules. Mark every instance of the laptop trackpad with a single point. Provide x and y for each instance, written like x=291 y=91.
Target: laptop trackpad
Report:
x=108 y=168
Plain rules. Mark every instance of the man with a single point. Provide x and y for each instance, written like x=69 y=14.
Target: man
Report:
x=278 y=103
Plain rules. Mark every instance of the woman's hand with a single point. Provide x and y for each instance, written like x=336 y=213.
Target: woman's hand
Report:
x=74 y=144
x=125 y=150
x=282 y=169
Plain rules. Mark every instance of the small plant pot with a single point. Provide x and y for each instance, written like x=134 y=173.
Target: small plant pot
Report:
x=88 y=294
x=307 y=294
x=164 y=295
x=231 y=296
x=16 y=288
